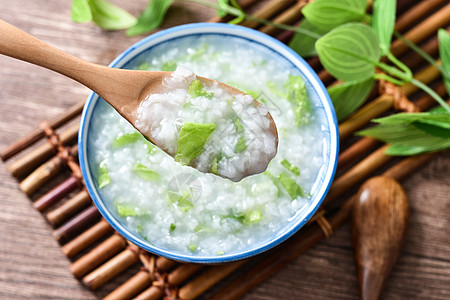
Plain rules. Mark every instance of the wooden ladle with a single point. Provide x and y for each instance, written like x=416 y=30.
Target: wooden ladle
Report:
x=380 y=220
x=123 y=89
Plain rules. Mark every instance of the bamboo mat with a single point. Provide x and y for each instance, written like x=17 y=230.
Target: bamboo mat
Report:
x=98 y=255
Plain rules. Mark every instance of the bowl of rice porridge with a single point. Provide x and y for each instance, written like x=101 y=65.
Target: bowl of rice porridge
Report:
x=178 y=212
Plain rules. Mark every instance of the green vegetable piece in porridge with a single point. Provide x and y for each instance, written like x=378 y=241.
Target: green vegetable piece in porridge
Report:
x=172 y=227
x=169 y=66
x=125 y=210
x=297 y=95
x=240 y=145
x=238 y=125
x=191 y=141
x=103 y=178
x=181 y=199
x=293 y=189
x=127 y=138
x=196 y=89
x=145 y=173
x=294 y=169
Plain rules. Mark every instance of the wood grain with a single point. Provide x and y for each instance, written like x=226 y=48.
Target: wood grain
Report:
x=32 y=265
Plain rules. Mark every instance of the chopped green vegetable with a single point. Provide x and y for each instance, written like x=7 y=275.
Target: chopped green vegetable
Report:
x=172 y=227
x=145 y=173
x=294 y=169
x=182 y=200
x=103 y=178
x=169 y=66
x=220 y=252
x=196 y=89
x=144 y=66
x=298 y=96
x=204 y=228
x=215 y=162
x=139 y=228
x=238 y=125
x=125 y=139
x=293 y=189
x=192 y=247
x=252 y=217
x=151 y=17
x=125 y=210
x=191 y=141
x=412 y=133
x=240 y=146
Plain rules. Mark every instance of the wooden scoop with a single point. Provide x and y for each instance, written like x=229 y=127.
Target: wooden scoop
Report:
x=380 y=219
x=123 y=89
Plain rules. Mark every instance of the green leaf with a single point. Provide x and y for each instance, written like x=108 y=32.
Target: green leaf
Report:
x=192 y=247
x=109 y=16
x=204 y=228
x=127 y=138
x=349 y=52
x=196 y=89
x=220 y=252
x=327 y=14
x=293 y=189
x=238 y=125
x=349 y=96
x=139 y=228
x=172 y=227
x=181 y=199
x=191 y=141
x=151 y=18
x=169 y=66
x=103 y=176
x=145 y=173
x=297 y=95
x=125 y=210
x=305 y=44
x=413 y=133
x=383 y=21
x=444 y=52
x=290 y=167
x=214 y=165
x=81 y=12
x=240 y=145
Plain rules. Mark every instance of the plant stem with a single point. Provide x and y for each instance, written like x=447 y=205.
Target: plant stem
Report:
x=432 y=93
x=422 y=53
x=237 y=13
x=400 y=65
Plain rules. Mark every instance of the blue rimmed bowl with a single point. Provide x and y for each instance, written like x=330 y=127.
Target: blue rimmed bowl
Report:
x=317 y=94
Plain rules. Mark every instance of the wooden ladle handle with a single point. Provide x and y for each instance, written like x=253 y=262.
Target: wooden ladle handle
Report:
x=380 y=220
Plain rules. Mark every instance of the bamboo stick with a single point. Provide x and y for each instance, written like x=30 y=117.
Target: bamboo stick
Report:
x=422 y=30
x=132 y=286
x=87 y=238
x=417 y=12
x=57 y=193
x=288 y=16
x=44 y=173
x=182 y=273
x=268 y=11
x=38 y=133
x=76 y=225
x=69 y=208
x=31 y=160
x=104 y=251
x=111 y=269
x=164 y=264
x=356 y=151
x=152 y=293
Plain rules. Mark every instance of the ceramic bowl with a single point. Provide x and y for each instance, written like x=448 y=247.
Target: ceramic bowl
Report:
x=316 y=91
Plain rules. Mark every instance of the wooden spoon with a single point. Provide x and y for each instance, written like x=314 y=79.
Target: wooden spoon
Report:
x=380 y=220
x=123 y=89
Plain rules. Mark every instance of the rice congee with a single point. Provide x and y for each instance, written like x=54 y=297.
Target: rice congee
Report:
x=178 y=208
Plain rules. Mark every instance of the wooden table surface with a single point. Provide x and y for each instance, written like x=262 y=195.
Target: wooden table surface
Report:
x=31 y=263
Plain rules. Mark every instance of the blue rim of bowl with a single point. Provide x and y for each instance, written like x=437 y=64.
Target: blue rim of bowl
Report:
x=239 y=32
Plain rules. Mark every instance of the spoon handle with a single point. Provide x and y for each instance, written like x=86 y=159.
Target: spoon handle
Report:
x=20 y=45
